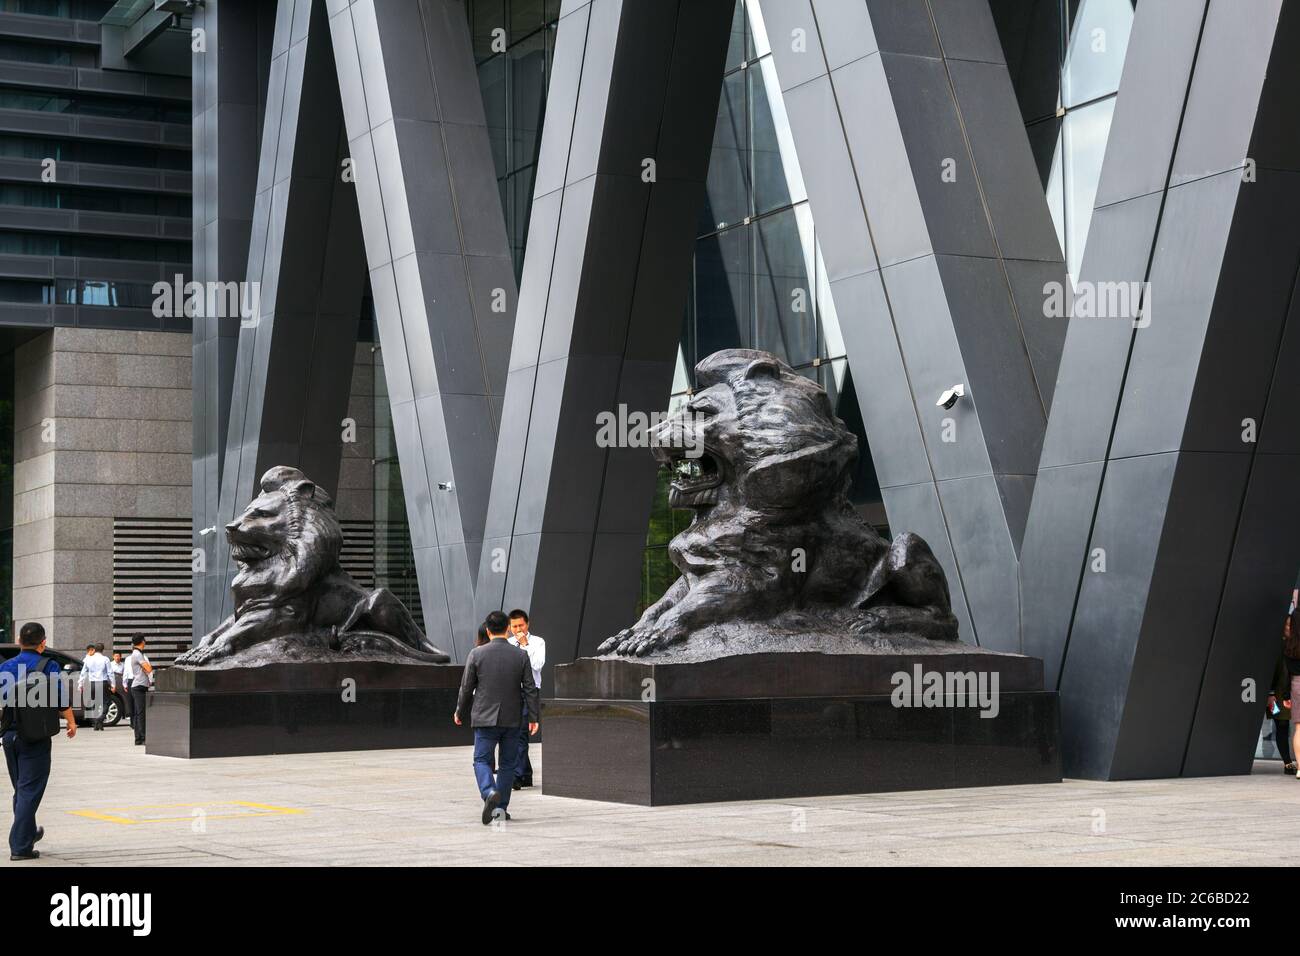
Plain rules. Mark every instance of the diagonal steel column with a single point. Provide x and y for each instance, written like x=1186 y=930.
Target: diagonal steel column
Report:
x=440 y=273
x=295 y=356
x=1143 y=469
x=937 y=243
x=226 y=109
x=1175 y=434
x=620 y=181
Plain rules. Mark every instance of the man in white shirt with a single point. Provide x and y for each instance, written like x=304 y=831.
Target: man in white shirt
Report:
x=139 y=672
x=95 y=670
x=120 y=686
x=535 y=647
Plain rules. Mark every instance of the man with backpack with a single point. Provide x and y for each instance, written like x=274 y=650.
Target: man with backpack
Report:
x=32 y=691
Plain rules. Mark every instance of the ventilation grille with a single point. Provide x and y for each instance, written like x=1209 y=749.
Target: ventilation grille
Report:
x=378 y=554
x=153 y=585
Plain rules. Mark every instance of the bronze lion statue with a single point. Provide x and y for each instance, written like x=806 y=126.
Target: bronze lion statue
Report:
x=777 y=557
x=292 y=599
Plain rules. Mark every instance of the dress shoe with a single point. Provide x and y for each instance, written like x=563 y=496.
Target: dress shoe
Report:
x=40 y=835
x=29 y=855
x=489 y=805
x=524 y=782
x=516 y=785
x=139 y=743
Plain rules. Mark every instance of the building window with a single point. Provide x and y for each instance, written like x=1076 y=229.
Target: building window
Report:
x=514 y=44
x=1065 y=58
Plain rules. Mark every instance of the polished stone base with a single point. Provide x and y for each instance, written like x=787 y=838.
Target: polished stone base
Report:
x=304 y=708
x=791 y=741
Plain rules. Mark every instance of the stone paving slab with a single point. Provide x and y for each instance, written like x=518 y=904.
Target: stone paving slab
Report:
x=111 y=804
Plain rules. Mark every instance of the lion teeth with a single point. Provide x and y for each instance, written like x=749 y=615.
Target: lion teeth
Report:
x=688 y=468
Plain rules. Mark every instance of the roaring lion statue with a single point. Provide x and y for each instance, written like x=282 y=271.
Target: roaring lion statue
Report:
x=292 y=599
x=777 y=558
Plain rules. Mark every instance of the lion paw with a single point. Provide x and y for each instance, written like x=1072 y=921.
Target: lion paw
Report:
x=621 y=643
x=202 y=654
x=638 y=642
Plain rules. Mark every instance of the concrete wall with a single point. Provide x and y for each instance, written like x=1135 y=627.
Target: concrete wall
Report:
x=102 y=430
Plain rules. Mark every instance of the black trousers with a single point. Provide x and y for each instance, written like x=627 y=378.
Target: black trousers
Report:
x=99 y=694
x=138 y=698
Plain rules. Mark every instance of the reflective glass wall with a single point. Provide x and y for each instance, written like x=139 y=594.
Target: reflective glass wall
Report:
x=1065 y=59
x=514 y=42
x=757 y=280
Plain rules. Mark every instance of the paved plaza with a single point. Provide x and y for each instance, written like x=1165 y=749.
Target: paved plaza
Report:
x=109 y=803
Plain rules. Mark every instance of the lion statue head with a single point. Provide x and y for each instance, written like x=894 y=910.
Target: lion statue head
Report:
x=287 y=538
x=777 y=556
x=755 y=433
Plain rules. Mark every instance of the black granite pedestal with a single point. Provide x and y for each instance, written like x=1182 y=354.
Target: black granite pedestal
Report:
x=767 y=726
x=304 y=708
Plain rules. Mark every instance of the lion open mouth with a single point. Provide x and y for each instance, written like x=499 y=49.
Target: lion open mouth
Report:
x=695 y=480
x=248 y=553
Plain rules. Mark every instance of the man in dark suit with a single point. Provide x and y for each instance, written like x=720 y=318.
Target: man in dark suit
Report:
x=497 y=687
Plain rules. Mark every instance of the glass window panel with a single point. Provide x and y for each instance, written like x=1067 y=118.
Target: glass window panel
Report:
x=785 y=313
x=521 y=199
x=526 y=16
x=385 y=447
x=1098 y=42
x=865 y=487
x=1084 y=140
x=687 y=351
x=776 y=176
x=1033 y=40
x=736 y=46
x=723 y=291
x=528 y=99
x=727 y=186
x=484 y=17
x=493 y=81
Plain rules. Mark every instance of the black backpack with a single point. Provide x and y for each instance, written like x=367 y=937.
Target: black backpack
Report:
x=34 y=723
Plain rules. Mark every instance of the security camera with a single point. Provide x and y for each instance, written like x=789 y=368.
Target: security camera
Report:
x=446 y=486
x=949 y=398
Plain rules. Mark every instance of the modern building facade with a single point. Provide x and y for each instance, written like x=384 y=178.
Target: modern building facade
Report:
x=95 y=434
x=473 y=226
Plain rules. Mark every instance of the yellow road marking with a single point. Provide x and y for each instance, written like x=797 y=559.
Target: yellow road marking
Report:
x=111 y=814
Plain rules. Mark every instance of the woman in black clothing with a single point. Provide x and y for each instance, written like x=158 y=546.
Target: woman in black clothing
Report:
x=1279 y=711
x=1291 y=654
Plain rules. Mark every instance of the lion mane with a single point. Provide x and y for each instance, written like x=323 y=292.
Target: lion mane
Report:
x=304 y=535
x=776 y=546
